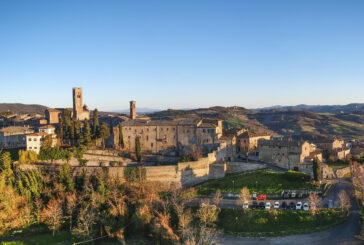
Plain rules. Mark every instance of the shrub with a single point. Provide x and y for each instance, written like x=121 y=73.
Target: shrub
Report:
x=112 y=163
x=296 y=176
x=135 y=174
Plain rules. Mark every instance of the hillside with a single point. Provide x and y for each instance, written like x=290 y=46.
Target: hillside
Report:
x=354 y=107
x=294 y=123
x=22 y=108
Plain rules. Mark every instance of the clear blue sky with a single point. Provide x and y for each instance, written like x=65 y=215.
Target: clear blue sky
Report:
x=182 y=54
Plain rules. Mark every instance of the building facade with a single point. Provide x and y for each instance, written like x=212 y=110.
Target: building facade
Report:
x=248 y=141
x=14 y=137
x=34 y=141
x=288 y=154
x=157 y=136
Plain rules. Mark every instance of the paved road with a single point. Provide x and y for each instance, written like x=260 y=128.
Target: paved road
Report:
x=340 y=235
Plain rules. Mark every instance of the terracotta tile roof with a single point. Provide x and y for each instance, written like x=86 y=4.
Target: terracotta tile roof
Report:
x=249 y=134
x=16 y=130
x=37 y=134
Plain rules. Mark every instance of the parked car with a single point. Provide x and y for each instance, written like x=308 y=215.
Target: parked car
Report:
x=254 y=196
x=267 y=205
x=293 y=195
x=292 y=205
x=276 y=205
x=254 y=205
x=331 y=205
x=284 y=205
x=299 y=206
x=262 y=197
x=305 y=206
x=245 y=205
x=285 y=195
x=261 y=205
x=300 y=195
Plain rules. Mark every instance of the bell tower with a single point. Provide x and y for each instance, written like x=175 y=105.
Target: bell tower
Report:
x=77 y=102
x=132 y=110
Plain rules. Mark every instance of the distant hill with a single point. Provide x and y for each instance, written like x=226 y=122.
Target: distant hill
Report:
x=318 y=108
x=305 y=124
x=139 y=110
x=22 y=108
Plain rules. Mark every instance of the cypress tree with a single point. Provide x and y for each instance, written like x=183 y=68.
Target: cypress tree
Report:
x=95 y=124
x=138 y=149
x=316 y=167
x=104 y=132
x=78 y=135
x=87 y=133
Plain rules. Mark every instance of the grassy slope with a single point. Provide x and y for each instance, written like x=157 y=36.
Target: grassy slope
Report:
x=262 y=223
x=266 y=182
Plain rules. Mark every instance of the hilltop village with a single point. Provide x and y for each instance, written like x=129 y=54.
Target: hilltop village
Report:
x=89 y=173
x=165 y=141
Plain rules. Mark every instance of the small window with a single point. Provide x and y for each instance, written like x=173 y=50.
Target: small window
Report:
x=167 y=129
x=204 y=130
x=35 y=147
x=147 y=129
x=30 y=139
x=151 y=144
x=147 y=137
x=128 y=137
x=161 y=129
x=30 y=147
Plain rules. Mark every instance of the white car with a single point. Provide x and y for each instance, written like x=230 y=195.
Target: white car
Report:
x=267 y=206
x=305 y=206
x=276 y=205
x=299 y=206
x=293 y=194
x=245 y=205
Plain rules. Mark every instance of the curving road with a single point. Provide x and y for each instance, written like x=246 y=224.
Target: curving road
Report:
x=343 y=234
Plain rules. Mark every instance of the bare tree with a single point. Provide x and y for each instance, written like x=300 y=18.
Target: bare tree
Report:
x=243 y=196
x=344 y=201
x=218 y=197
x=52 y=215
x=86 y=221
x=314 y=202
x=70 y=205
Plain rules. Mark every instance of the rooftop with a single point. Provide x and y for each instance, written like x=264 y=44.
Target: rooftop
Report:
x=249 y=134
x=16 y=130
x=47 y=127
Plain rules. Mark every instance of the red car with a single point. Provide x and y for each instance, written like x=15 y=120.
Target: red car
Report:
x=262 y=197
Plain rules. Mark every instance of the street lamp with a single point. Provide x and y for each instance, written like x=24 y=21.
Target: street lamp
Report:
x=233 y=185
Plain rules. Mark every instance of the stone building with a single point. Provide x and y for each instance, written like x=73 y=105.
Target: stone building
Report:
x=34 y=141
x=52 y=115
x=158 y=136
x=49 y=129
x=14 y=136
x=80 y=111
x=249 y=140
x=333 y=147
x=288 y=154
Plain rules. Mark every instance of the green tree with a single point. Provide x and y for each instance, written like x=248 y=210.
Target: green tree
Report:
x=6 y=168
x=47 y=142
x=138 y=149
x=316 y=167
x=67 y=124
x=78 y=135
x=95 y=124
x=87 y=133
x=121 y=139
x=104 y=133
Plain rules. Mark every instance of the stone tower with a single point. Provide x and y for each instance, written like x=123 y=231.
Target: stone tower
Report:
x=80 y=111
x=132 y=110
x=77 y=101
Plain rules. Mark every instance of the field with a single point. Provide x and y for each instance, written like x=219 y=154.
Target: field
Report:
x=262 y=181
x=263 y=223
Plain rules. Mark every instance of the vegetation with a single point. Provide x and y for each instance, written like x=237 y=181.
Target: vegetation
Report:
x=358 y=181
x=316 y=167
x=264 y=223
x=104 y=133
x=96 y=205
x=262 y=181
x=121 y=138
x=138 y=150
